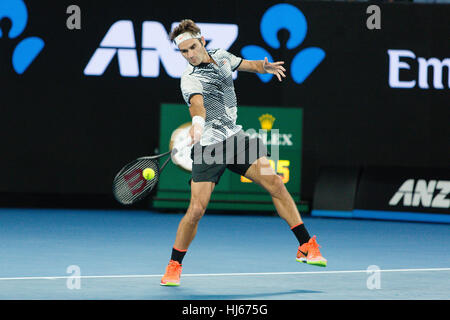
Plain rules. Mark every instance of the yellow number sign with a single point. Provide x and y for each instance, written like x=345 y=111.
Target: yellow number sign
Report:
x=282 y=170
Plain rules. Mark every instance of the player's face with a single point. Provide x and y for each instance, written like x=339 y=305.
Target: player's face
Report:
x=193 y=51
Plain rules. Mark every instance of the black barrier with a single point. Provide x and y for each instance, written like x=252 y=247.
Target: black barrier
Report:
x=419 y=194
x=77 y=104
x=335 y=191
x=388 y=193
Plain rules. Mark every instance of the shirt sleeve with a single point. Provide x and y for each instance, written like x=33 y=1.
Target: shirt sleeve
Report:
x=235 y=61
x=190 y=86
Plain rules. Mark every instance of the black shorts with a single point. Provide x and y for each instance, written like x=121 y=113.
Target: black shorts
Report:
x=237 y=153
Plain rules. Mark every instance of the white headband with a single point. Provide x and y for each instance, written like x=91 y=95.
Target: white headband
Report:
x=186 y=36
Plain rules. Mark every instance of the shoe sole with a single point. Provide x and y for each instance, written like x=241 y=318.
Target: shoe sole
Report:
x=317 y=263
x=170 y=284
x=313 y=263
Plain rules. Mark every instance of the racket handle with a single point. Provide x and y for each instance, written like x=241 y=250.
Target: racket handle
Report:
x=186 y=143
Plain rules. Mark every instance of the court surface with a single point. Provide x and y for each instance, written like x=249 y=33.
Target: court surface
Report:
x=123 y=254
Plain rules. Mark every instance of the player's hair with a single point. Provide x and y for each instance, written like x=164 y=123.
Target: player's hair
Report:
x=186 y=25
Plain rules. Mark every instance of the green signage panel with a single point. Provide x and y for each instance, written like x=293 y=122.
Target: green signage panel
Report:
x=281 y=131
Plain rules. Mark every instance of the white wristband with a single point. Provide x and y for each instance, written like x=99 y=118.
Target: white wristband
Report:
x=198 y=120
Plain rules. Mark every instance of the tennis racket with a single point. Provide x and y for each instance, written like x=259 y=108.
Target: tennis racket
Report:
x=129 y=185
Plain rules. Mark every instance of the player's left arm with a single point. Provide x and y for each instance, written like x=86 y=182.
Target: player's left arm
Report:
x=263 y=66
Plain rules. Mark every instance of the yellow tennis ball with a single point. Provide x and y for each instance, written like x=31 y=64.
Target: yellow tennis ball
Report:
x=148 y=173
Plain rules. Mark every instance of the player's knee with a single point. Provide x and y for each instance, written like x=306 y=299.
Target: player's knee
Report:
x=197 y=210
x=275 y=185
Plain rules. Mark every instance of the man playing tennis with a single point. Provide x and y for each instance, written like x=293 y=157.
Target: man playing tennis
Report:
x=207 y=87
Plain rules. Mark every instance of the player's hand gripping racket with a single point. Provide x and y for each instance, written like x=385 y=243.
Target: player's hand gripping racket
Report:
x=130 y=186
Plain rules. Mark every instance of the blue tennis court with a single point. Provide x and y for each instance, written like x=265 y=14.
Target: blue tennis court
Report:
x=122 y=254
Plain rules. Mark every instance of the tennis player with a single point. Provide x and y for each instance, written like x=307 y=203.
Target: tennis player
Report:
x=207 y=87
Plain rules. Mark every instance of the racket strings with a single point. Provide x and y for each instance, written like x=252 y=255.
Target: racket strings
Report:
x=130 y=185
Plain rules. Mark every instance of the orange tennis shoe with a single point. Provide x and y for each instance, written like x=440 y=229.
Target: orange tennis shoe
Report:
x=172 y=275
x=309 y=253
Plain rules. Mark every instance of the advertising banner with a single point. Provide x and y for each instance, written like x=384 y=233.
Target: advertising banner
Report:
x=417 y=194
x=82 y=84
x=391 y=193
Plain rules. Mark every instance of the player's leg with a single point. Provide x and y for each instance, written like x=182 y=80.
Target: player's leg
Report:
x=204 y=178
x=187 y=229
x=249 y=159
x=261 y=173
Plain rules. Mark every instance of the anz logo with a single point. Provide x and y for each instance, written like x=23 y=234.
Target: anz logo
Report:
x=431 y=194
x=285 y=16
x=27 y=49
x=156 y=49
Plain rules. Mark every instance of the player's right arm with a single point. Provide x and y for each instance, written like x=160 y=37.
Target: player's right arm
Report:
x=192 y=90
x=198 y=114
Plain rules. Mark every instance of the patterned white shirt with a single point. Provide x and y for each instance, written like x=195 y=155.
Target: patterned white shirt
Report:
x=215 y=84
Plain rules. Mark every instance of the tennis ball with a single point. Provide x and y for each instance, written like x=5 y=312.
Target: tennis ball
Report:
x=148 y=173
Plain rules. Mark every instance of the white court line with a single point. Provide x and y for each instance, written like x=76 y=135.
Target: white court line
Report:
x=228 y=274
